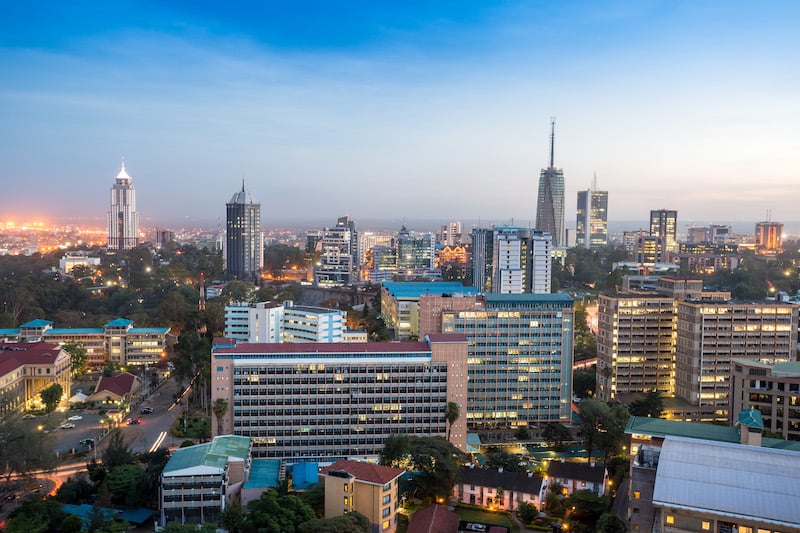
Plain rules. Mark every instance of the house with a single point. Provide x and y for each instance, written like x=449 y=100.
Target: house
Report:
x=497 y=489
x=117 y=389
x=576 y=476
x=368 y=488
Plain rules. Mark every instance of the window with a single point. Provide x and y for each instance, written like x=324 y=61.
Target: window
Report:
x=385 y=524
x=745 y=529
x=637 y=495
x=347 y=487
x=705 y=525
x=387 y=486
x=387 y=499
x=386 y=512
x=670 y=519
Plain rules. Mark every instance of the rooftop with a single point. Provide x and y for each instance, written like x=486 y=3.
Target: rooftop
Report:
x=531 y=298
x=579 y=471
x=490 y=477
x=433 y=519
x=321 y=348
x=120 y=384
x=214 y=454
x=415 y=289
x=37 y=323
x=363 y=471
x=264 y=474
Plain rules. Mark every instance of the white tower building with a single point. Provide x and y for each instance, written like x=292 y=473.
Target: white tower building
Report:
x=123 y=220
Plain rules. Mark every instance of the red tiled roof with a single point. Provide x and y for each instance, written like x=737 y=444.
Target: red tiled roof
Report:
x=433 y=519
x=30 y=353
x=364 y=471
x=8 y=365
x=325 y=347
x=119 y=385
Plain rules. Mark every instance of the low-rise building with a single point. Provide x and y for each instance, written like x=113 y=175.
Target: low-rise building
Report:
x=574 y=476
x=27 y=368
x=774 y=390
x=198 y=481
x=367 y=488
x=116 y=390
x=497 y=489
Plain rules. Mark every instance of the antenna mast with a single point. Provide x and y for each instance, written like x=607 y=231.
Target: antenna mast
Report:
x=552 y=140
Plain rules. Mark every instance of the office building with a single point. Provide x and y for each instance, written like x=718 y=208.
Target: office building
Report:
x=710 y=334
x=769 y=238
x=550 y=202
x=400 y=303
x=415 y=251
x=244 y=241
x=450 y=234
x=366 y=488
x=305 y=323
x=772 y=389
x=338 y=264
x=123 y=220
x=367 y=241
x=254 y=322
x=591 y=229
x=26 y=369
x=520 y=356
x=664 y=224
x=117 y=341
x=286 y=322
x=331 y=401
x=511 y=260
x=199 y=481
x=693 y=477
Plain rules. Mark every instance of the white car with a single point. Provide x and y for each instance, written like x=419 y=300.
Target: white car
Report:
x=69 y=425
x=75 y=418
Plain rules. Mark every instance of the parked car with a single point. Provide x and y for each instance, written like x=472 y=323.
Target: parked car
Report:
x=75 y=418
x=146 y=410
x=68 y=425
x=88 y=442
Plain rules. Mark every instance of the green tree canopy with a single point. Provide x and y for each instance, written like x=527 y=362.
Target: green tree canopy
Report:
x=77 y=356
x=274 y=512
x=556 y=435
x=651 y=406
x=352 y=522
x=51 y=396
x=434 y=458
x=117 y=453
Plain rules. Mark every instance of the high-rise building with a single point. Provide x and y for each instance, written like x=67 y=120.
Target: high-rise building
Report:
x=769 y=238
x=123 y=220
x=415 y=251
x=664 y=224
x=338 y=262
x=244 y=243
x=550 y=203
x=450 y=234
x=592 y=218
x=511 y=260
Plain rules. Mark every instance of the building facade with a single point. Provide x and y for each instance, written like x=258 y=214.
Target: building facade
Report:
x=511 y=260
x=326 y=402
x=769 y=238
x=244 y=241
x=591 y=229
x=123 y=219
x=664 y=224
x=338 y=264
x=774 y=390
x=550 y=201
x=400 y=303
x=520 y=358
x=497 y=490
x=27 y=368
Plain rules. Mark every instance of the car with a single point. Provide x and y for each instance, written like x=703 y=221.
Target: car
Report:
x=88 y=442
x=75 y=418
x=475 y=527
x=146 y=410
x=29 y=416
x=134 y=421
x=68 y=425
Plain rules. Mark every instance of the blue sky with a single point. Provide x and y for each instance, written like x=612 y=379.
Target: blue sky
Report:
x=399 y=109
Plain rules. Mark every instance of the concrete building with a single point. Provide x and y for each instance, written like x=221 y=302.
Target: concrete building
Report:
x=511 y=260
x=415 y=251
x=198 y=481
x=576 y=476
x=244 y=240
x=304 y=323
x=772 y=389
x=325 y=402
x=116 y=341
x=450 y=234
x=497 y=490
x=550 y=201
x=338 y=264
x=77 y=258
x=254 y=322
x=367 y=488
x=591 y=225
x=123 y=220
x=664 y=224
x=520 y=356
x=693 y=477
x=27 y=368
x=400 y=303
x=769 y=238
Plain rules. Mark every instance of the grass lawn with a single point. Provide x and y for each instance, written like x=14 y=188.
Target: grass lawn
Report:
x=473 y=514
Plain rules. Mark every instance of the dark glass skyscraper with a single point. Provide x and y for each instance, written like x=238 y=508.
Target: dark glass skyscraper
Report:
x=591 y=228
x=244 y=244
x=550 y=204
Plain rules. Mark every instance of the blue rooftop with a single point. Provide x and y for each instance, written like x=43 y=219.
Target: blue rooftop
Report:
x=37 y=323
x=149 y=330
x=264 y=474
x=415 y=289
x=119 y=323
x=75 y=331
x=12 y=331
x=751 y=418
x=304 y=474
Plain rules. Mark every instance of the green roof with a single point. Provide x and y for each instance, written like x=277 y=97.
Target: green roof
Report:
x=786 y=369
x=751 y=418
x=264 y=474
x=214 y=454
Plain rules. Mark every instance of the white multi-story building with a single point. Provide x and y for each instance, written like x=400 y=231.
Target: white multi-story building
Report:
x=512 y=260
x=77 y=258
x=302 y=323
x=286 y=322
x=123 y=220
x=256 y=322
x=337 y=266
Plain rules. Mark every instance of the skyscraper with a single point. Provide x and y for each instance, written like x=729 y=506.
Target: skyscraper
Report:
x=592 y=217
x=664 y=224
x=123 y=220
x=338 y=264
x=511 y=260
x=550 y=204
x=244 y=244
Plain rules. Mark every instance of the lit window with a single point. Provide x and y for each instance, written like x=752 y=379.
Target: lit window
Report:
x=670 y=519
x=385 y=524
x=637 y=494
x=706 y=525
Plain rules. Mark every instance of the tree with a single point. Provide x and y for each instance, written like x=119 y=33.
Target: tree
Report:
x=554 y=500
x=23 y=448
x=51 y=396
x=123 y=484
x=527 y=512
x=586 y=508
x=233 y=517
x=434 y=458
x=77 y=356
x=396 y=450
x=451 y=414
x=522 y=433
x=220 y=408
x=583 y=383
x=651 y=406
x=505 y=460
x=117 y=453
x=602 y=426
x=273 y=512
x=556 y=435
x=611 y=523
x=352 y=522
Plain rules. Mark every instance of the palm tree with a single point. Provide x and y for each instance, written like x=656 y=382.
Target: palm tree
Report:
x=451 y=414
x=220 y=408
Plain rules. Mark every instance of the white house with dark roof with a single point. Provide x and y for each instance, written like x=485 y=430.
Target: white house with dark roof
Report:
x=497 y=489
x=576 y=476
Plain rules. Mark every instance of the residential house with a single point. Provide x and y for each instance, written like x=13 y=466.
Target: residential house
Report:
x=497 y=489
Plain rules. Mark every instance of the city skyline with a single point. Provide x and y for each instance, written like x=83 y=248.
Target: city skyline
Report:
x=440 y=101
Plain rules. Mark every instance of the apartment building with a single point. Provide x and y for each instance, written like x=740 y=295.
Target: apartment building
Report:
x=367 y=488
x=325 y=402
x=772 y=389
x=27 y=368
x=286 y=322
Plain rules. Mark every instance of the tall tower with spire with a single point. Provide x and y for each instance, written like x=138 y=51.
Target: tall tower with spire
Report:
x=123 y=220
x=244 y=241
x=550 y=203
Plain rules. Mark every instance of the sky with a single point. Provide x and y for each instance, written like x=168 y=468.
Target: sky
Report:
x=399 y=110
